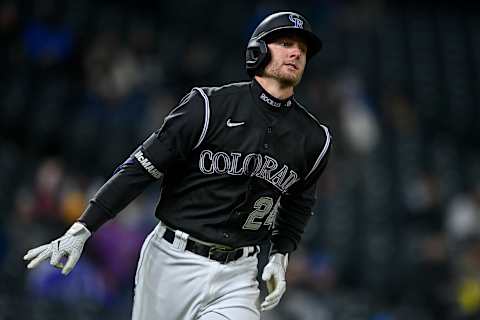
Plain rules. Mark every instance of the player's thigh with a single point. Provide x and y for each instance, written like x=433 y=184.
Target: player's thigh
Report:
x=170 y=283
x=239 y=304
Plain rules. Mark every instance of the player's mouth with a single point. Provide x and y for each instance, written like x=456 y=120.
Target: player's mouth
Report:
x=292 y=65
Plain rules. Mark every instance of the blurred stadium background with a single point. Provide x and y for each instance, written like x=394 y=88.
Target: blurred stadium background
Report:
x=396 y=233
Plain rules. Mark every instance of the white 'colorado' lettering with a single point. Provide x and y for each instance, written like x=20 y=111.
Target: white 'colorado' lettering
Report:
x=278 y=177
x=253 y=164
x=147 y=165
x=217 y=163
x=234 y=167
x=203 y=155
x=269 y=165
x=257 y=164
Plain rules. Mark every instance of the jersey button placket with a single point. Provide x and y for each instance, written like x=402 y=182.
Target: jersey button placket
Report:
x=268 y=131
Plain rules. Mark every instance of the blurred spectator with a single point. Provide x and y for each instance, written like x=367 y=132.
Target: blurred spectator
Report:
x=9 y=30
x=47 y=39
x=116 y=259
x=468 y=279
x=45 y=205
x=359 y=124
x=463 y=216
x=424 y=203
x=399 y=115
x=430 y=282
x=112 y=70
x=311 y=289
x=85 y=284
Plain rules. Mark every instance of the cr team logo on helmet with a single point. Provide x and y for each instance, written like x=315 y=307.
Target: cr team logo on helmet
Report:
x=297 y=22
x=257 y=55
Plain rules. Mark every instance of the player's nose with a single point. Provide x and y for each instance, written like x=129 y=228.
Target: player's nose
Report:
x=296 y=51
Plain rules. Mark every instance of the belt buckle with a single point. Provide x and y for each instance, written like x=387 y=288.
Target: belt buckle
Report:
x=222 y=250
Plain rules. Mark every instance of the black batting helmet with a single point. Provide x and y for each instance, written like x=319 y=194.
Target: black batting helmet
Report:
x=280 y=23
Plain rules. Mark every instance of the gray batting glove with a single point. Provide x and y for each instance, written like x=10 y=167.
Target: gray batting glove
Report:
x=70 y=244
x=274 y=275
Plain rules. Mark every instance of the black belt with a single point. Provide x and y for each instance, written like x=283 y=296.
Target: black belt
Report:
x=216 y=253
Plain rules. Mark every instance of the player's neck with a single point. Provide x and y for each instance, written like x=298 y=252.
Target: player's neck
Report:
x=275 y=88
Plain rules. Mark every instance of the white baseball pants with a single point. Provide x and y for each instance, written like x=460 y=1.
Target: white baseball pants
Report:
x=174 y=284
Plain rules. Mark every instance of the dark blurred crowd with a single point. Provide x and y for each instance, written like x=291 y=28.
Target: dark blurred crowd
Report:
x=396 y=231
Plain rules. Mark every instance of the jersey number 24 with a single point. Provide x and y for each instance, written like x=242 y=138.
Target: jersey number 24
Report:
x=262 y=207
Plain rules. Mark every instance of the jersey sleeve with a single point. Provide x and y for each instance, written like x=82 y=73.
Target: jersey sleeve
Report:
x=295 y=208
x=182 y=131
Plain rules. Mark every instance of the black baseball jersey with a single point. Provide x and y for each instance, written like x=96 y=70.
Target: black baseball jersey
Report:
x=237 y=166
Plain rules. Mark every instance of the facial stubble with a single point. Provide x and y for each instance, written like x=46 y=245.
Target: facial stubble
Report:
x=274 y=70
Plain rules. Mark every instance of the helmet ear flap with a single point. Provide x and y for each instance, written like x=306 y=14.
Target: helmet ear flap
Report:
x=257 y=56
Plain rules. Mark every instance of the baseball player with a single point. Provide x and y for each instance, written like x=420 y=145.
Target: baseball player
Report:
x=238 y=165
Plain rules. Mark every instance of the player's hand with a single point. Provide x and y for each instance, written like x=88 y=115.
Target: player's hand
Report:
x=274 y=275
x=70 y=244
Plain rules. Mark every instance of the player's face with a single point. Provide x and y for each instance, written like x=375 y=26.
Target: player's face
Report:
x=288 y=59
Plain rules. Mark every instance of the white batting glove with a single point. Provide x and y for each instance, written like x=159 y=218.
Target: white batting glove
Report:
x=274 y=275
x=70 y=244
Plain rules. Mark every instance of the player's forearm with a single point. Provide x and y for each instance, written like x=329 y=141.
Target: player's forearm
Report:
x=294 y=212
x=94 y=216
x=121 y=189
x=289 y=229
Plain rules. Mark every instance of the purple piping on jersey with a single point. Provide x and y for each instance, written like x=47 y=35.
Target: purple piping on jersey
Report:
x=206 y=119
x=120 y=167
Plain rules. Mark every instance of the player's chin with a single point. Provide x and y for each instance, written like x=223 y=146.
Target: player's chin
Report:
x=290 y=79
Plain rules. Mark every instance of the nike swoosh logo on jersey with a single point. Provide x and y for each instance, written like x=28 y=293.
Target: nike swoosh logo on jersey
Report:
x=234 y=124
